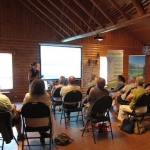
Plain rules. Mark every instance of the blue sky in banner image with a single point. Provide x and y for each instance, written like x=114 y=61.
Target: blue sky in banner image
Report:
x=138 y=60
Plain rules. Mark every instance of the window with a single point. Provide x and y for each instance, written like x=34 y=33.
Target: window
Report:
x=6 y=76
x=103 y=68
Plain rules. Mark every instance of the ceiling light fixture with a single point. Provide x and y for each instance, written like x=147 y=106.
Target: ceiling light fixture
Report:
x=99 y=37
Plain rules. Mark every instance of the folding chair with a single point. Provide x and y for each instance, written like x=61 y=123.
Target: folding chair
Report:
x=36 y=110
x=142 y=101
x=99 y=113
x=6 y=128
x=88 y=90
x=55 y=103
x=74 y=98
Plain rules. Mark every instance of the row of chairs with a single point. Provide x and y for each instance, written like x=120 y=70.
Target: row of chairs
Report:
x=101 y=106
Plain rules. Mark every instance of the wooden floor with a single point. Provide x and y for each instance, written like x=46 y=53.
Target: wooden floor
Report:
x=121 y=141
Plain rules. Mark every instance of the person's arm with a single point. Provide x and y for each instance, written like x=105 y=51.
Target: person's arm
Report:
x=53 y=89
x=129 y=97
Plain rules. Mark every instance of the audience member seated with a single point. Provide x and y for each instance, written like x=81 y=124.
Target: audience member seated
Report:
x=89 y=90
x=119 y=85
x=65 y=89
x=96 y=93
x=37 y=93
x=120 y=96
x=61 y=84
x=132 y=98
x=92 y=81
x=6 y=105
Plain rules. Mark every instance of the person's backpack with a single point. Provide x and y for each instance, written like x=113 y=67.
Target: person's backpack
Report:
x=63 y=139
x=102 y=128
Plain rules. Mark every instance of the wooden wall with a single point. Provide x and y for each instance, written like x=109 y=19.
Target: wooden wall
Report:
x=21 y=32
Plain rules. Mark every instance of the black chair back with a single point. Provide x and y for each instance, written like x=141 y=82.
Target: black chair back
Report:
x=6 y=125
x=143 y=100
x=88 y=90
x=35 y=110
x=57 y=92
x=121 y=87
x=73 y=96
x=129 y=92
x=102 y=104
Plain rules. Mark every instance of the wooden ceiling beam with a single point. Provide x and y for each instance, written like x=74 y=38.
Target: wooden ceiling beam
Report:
x=88 y=12
x=119 y=9
x=102 y=11
x=148 y=9
x=90 y=19
x=139 y=7
x=49 y=18
x=66 y=15
x=57 y=17
x=77 y=14
x=42 y=19
x=109 y=28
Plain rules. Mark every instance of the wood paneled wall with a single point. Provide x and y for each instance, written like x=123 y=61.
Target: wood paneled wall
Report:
x=21 y=32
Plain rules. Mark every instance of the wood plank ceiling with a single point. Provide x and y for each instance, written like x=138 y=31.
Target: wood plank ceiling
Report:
x=74 y=19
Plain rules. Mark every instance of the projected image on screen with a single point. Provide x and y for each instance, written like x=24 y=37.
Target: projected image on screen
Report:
x=58 y=60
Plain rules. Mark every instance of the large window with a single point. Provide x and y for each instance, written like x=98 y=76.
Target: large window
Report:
x=103 y=68
x=6 y=76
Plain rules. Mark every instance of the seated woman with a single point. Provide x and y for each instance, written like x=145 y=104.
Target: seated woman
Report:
x=37 y=93
x=97 y=92
x=120 y=96
x=121 y=82
x=61 y=84
x=132 y=98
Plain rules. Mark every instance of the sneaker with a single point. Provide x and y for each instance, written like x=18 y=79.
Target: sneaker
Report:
x=86 y=130
x=21 y=137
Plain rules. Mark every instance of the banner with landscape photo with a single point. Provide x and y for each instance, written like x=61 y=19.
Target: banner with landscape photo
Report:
x=136 y=65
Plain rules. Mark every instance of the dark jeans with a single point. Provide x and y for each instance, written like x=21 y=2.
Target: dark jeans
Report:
x=121 y=101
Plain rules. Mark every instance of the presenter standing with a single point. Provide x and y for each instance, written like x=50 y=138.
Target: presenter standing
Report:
x=34 y=73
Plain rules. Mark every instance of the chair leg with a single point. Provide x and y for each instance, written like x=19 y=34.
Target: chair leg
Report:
x=50 y=141
x=110 y=127
x=77 y=116
x=85 y=127
x=82 y=118
x=61 y=115
x=65 y=120
x=2 y=144
x=54 y=111
x=93 y=132
x=138 y=127
x=15 y=140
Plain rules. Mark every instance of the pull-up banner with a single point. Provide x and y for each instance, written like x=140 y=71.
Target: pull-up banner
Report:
x=136 y=65
x=115 y=66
